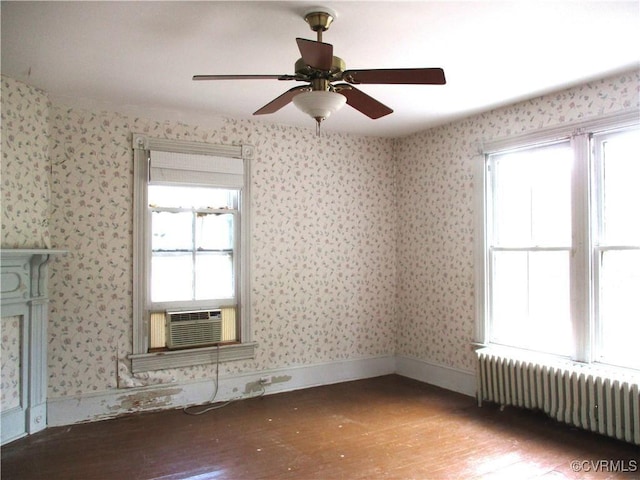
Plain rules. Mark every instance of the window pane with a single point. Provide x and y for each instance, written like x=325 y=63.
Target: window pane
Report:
x=200 y=268
x=171 y=231
x=214 y=274
x=621 y=177
x=530 y=301
x=214 y=231
x=620 y=307
x=532 y=197
x=171 y=277
x=191 y=197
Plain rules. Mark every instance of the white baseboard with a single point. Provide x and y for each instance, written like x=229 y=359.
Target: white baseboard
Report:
x=461 y=381
x=104 y=405
x=113 y=403
x=13 y=425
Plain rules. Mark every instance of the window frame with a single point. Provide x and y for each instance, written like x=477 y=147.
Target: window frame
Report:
x=141 y=359
x=582 y=280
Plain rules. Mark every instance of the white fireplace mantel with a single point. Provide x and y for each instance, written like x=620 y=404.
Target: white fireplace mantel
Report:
x=23 y=294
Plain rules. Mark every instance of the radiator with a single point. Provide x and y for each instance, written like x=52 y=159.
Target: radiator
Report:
x=569 y=392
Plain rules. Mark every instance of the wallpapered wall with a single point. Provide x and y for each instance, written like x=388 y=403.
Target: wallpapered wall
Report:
x=436 y=224
x=325 y=223
x=323 y=231
x=25 y=166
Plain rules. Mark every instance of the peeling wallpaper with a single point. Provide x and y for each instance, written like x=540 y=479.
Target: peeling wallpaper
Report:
x=361 y=246
x=25 y=166
x=436 y=299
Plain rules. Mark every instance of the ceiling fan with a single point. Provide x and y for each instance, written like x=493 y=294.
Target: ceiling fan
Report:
x=320 y=69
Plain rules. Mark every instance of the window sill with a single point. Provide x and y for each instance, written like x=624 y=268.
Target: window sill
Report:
x=144 y=362
x=549 y=360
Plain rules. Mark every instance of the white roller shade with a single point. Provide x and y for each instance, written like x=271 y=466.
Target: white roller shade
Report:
x=184 y=168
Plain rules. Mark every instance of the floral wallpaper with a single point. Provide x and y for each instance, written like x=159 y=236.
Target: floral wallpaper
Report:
x=436 y=303
x=323 y=230
x=25 y=166
x=10 y=366
x=361 y=246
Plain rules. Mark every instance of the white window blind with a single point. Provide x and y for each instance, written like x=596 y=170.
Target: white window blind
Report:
x=171 y=168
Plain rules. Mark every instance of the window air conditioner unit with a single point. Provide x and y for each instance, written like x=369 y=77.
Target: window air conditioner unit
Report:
x=194 y=328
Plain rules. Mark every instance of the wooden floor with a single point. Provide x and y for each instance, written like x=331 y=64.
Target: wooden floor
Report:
x=384 y=428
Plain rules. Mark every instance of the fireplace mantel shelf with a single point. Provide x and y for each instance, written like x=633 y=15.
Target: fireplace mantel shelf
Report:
x=16 y=252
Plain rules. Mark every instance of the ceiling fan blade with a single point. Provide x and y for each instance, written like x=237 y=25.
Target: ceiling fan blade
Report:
x=317 y=55
x=244 y=77
x=362 y=102
x=279 y=102
x=415 y=76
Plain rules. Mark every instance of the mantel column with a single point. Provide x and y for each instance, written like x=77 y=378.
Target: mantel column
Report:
x=38 y=312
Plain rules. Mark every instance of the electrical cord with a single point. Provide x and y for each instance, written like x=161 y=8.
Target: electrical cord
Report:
x=209 y=406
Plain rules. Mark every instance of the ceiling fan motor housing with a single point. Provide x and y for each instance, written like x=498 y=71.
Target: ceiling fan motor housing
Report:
x=319 y=21
x=338 y=66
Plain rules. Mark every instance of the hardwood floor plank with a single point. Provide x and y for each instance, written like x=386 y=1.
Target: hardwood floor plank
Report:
x=382 y=428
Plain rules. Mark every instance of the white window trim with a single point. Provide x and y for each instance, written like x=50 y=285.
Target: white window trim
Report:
x=141 y=360
x=579 y=133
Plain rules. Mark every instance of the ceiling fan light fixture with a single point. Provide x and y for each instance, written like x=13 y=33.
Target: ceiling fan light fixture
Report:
x=319 y=104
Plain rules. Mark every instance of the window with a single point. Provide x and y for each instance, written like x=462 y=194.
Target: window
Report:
x=190 y=254
x=530 y=246
x=561 y=252
x=616 y=252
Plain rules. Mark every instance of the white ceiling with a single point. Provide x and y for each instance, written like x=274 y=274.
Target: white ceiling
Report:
x=140 y=56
